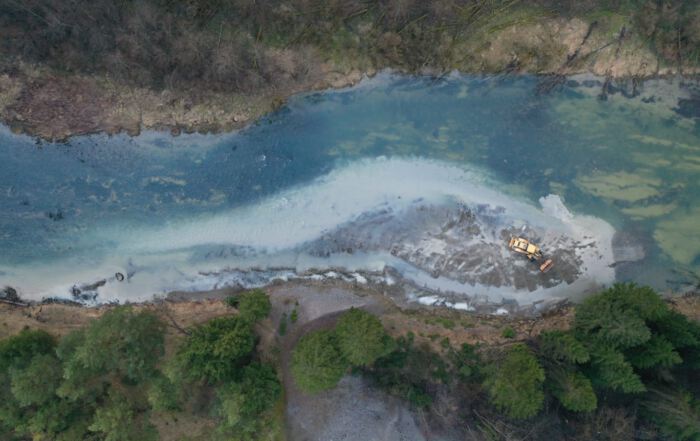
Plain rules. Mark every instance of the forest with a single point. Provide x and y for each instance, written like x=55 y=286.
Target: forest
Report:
x=247 y=45
x=627 y=368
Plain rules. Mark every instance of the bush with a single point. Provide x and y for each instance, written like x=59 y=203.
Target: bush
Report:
x=508 y=332
x=282 y=328
x=515 y=383
x=317 y=364
x=254 y=305
x=361 y=337
x=216 y=349
x=232 y=301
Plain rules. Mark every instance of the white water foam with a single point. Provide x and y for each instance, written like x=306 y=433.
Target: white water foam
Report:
x=163 y=258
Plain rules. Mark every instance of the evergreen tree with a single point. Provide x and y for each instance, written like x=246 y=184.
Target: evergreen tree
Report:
x=515 y=383
x=563 y=346
x=617 y=316
x=317 y=364
x=573 y=389
x=611 y=370
x=217 y=349
x=676 y=412
x=242 y=403
x=361 y=337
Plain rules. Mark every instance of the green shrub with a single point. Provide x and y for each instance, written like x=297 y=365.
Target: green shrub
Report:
x=254 y=305
x=515 y=383
x=282 y=328
x=317 y=363
x=465 y=361
x=295 y=316
x=508 y=332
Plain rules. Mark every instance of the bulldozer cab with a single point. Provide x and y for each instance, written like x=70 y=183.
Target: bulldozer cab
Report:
x=524 y=246
x=531 y=251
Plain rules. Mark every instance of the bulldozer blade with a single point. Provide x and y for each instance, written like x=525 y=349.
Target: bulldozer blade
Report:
x=547 y=265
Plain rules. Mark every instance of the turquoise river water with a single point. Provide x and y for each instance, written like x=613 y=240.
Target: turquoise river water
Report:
x=156 y=206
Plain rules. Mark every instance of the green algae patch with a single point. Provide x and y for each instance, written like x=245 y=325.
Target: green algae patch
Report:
x=619 y=186
x=651 y=140
x=677 y=235
x=649 y=211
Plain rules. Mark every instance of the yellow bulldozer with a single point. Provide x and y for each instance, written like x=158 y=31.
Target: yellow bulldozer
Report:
x=532 y=251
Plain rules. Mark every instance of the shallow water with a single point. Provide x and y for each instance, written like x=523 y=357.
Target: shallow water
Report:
x=172 y=212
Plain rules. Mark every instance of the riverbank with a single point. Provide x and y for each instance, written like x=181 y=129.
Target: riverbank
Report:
x=238 y=74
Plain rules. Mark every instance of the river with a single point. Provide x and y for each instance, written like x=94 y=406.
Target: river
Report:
x=398 y=178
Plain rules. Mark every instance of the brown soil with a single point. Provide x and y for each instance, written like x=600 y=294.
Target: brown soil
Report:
x=54 y=106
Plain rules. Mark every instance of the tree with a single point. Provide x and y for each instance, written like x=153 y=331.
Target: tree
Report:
x=60 y=417
x=37 y=383
x=618 y=316
x=18 y=350
x=612 y=371
x=658 y=351
x=163 y=394
x=563 y=346
x=515 y=383
x=122 y=342
x=254 y=305
x=117 y=420
x=361 y=337
x=80 y=382
x=676 y=413
x=241 y=404
x=317 y=364
x=573 y=389
x=216 y=349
